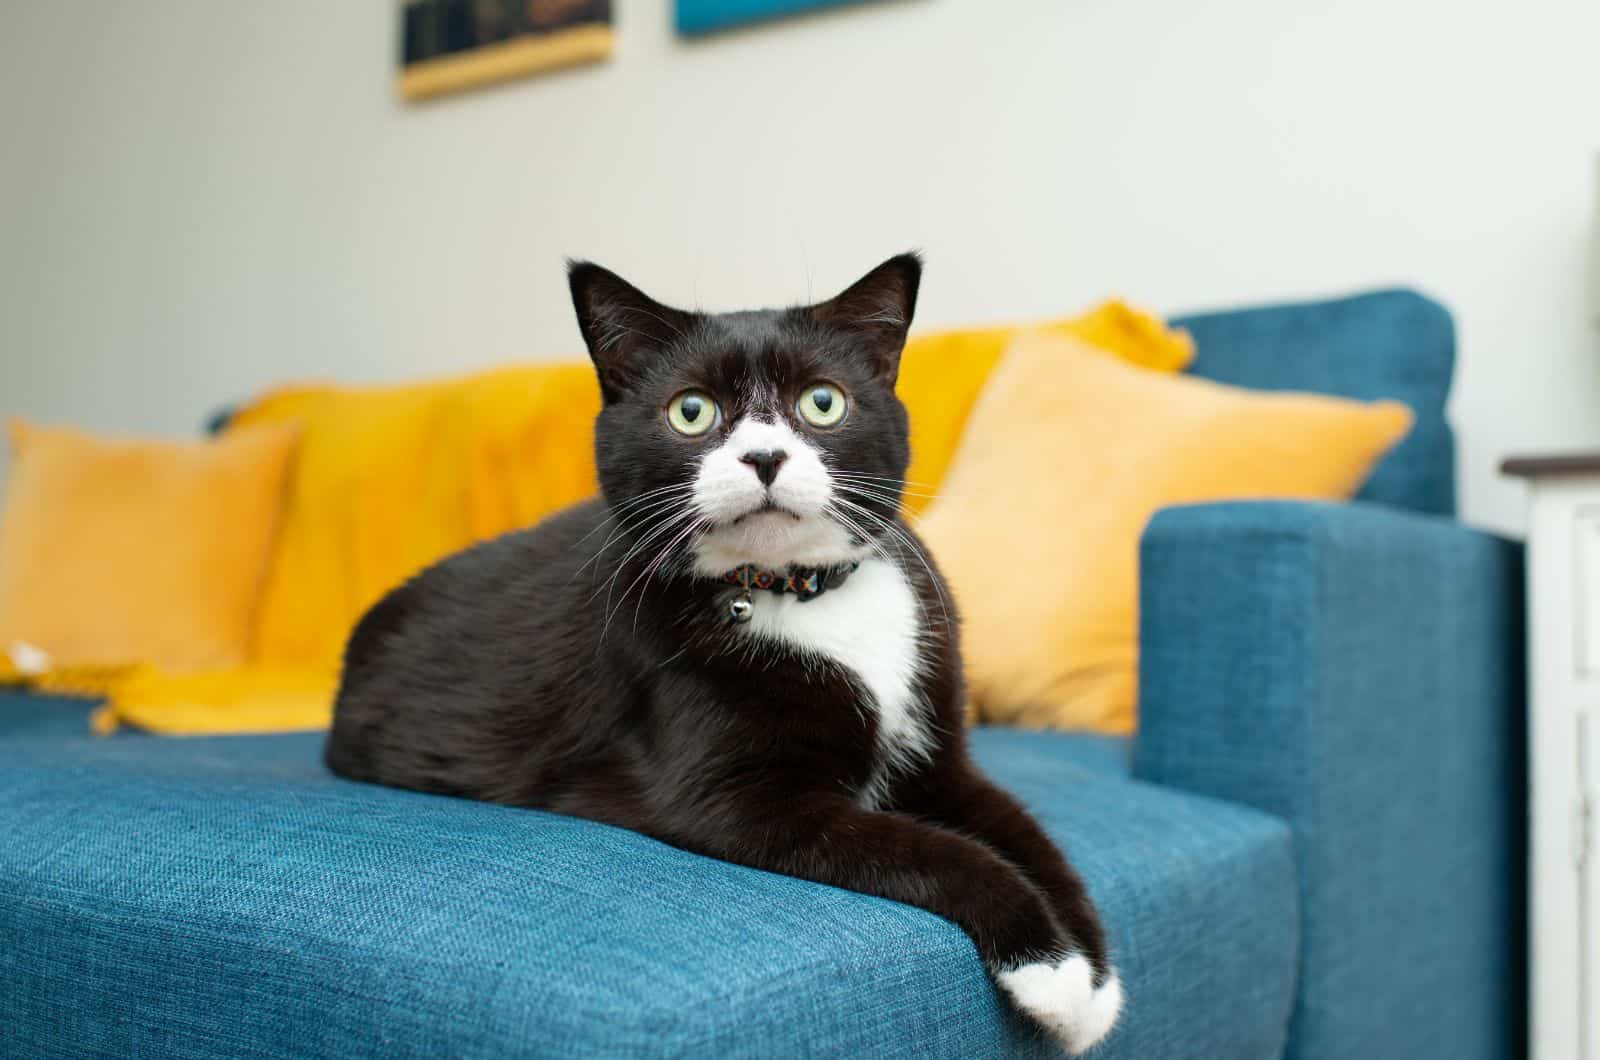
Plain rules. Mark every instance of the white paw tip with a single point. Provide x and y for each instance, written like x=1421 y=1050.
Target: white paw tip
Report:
x=1062 y=996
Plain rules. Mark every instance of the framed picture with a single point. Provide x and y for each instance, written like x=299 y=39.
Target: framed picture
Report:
x=708 y=16
x=451 y=45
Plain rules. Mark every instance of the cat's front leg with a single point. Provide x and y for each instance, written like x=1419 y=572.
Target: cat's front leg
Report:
x=1081 y=991
x=830 y=839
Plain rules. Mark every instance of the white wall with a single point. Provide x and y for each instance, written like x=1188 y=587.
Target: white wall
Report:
x=201 y=197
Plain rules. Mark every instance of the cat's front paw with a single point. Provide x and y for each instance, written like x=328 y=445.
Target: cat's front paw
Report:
x=1062 y=996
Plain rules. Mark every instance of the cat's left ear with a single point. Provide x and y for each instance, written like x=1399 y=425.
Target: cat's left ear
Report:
x=622 y=326
x=878 y=307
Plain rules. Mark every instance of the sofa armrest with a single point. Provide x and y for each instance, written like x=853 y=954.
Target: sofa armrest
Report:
x=1358 y=672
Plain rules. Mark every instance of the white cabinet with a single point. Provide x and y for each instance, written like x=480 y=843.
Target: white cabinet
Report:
x=1588 y=926
x=1586 y=541
x=1564 y=754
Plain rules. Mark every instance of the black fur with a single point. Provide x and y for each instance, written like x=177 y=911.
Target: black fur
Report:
x=557 y=668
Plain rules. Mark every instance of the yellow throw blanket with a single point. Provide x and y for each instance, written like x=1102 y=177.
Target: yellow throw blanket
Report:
x=390 y=479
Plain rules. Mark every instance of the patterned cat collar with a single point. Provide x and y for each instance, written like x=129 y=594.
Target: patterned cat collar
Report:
x=806 y=583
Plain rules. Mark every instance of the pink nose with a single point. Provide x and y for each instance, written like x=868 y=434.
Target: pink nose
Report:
x=765 y=462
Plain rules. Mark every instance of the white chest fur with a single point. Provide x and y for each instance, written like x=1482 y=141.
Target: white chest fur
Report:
x=871 y=625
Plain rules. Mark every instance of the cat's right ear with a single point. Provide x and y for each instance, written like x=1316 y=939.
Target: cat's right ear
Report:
x=878 y=307
x=622 y=326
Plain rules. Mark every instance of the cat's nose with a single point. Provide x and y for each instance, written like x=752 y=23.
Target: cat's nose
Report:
x=766 y=463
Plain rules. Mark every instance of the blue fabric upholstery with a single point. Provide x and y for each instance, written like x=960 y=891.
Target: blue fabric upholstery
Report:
x=1386 y=344
x=52 y=719
x=212 y=897
x=1198 y=901
x=1357 y=672
x=1093 y=751
x=1317 y=853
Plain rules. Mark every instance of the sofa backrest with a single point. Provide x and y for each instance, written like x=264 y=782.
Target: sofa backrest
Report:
x=1385 y=344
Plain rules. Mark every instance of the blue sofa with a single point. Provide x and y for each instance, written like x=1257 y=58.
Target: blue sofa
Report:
x=1311 y=849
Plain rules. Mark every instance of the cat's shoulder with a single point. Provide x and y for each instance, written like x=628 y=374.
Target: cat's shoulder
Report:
x=566 y=527
x=558 y=533
x=556 y=543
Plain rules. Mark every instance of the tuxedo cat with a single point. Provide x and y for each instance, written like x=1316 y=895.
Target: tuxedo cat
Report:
x=741 y=649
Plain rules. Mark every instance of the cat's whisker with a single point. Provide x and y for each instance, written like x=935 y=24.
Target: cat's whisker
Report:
x=663 y=522
x=648 y=495
x=849 y=524
x=649 y=568
x=634 y=521
x=910 y=544
x=886 y=478
x=665 y=525
x=893 y=485
x=688 y=513
x=871 y=500
x=875 y=492
x=868 y=539
x=873 y=541
x=647 y=499
x=880 y=550
x=842 y=479
x=662 y=558
x=620 y=528
x=881 y=498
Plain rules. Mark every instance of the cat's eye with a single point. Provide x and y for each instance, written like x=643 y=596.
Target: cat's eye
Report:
x=692 y=412
x=822 y=405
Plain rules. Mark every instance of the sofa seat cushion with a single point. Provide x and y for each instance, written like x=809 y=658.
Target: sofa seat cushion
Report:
x=62 y=720
x=221 y=896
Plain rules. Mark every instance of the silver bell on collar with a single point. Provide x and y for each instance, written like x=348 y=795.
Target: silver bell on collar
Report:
x=741 y=607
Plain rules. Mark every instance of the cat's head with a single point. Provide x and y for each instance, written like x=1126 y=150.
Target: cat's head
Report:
x=771 y=437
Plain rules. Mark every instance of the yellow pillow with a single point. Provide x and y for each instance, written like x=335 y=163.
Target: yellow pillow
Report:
x=1065 y=458
x=124 y=551
x=942 y=374
x=390 y=479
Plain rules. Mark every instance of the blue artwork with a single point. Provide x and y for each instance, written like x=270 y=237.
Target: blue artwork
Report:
x=706 y=16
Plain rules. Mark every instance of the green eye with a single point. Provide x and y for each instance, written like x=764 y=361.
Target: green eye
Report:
x=692 y=413
x=822 y=405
